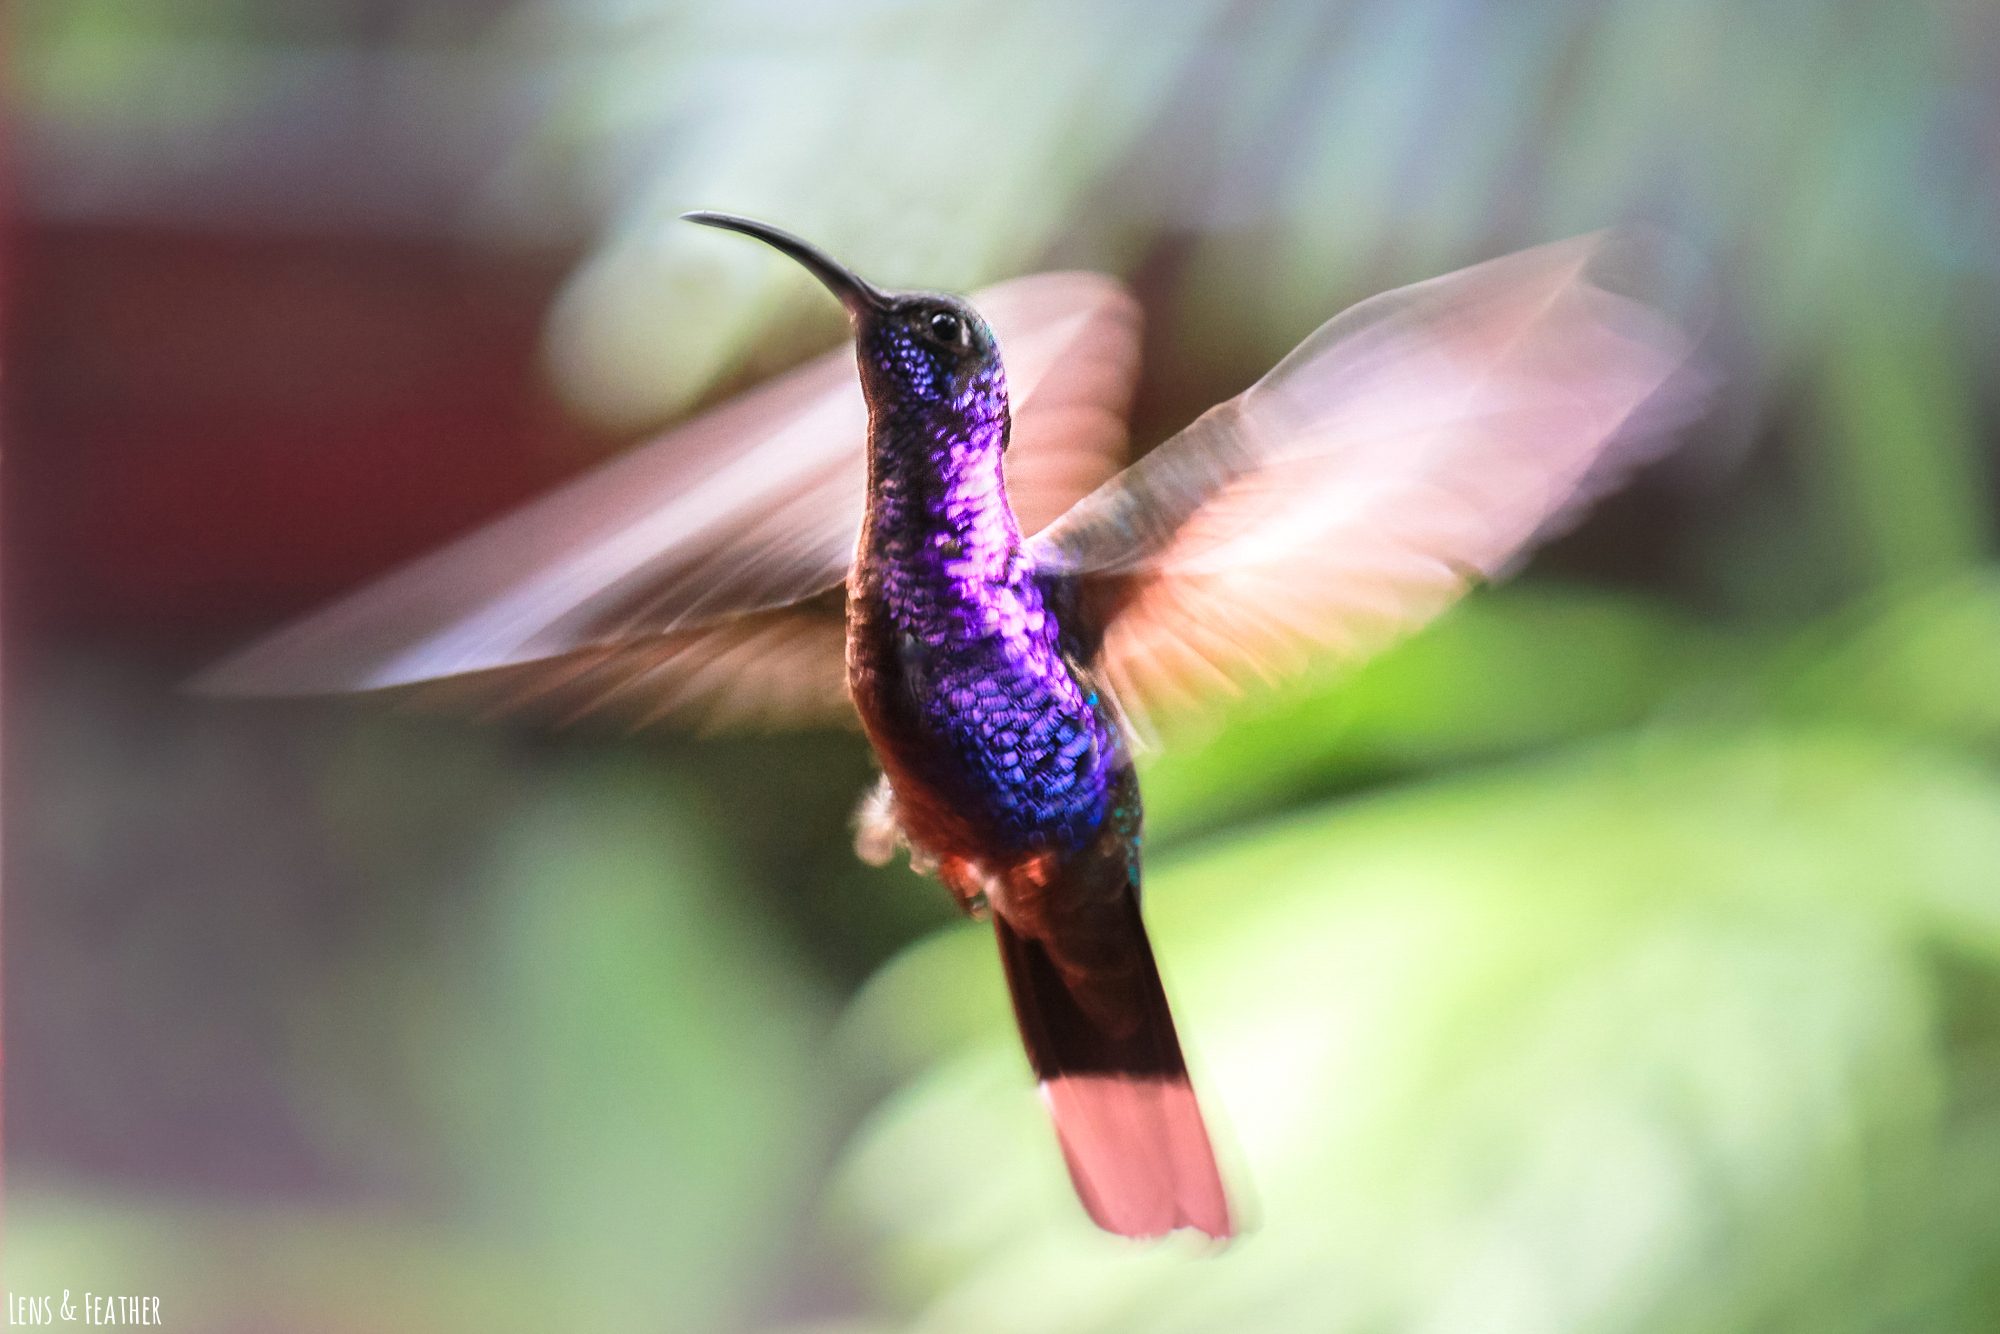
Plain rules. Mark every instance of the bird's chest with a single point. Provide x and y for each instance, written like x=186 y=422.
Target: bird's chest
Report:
x=974 y=711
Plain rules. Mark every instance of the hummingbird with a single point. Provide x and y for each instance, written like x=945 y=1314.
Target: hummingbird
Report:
x=949 y=547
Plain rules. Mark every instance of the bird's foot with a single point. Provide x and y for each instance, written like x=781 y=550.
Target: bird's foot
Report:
x=967 y=886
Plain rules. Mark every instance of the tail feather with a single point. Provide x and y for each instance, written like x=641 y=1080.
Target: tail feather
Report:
x=1101 y=1040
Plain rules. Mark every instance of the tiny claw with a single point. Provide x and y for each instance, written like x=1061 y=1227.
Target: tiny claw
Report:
x=966 y=884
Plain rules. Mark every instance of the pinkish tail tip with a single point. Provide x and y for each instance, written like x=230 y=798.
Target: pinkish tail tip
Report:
x=1138 y=1153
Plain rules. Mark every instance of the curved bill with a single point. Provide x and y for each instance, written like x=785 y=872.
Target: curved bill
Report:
x=854 y=292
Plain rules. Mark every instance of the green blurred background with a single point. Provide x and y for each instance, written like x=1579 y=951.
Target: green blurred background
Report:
x=1620 y=954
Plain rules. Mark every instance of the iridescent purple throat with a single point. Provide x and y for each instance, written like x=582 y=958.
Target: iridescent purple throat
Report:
x=1025 y=744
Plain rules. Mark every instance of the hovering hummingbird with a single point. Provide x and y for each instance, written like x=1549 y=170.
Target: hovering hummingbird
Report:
x=949 y=552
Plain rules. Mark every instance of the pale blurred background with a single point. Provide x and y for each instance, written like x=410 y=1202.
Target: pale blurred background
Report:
x=1621 y=954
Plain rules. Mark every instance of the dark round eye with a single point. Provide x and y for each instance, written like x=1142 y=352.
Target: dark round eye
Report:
x=947 y=328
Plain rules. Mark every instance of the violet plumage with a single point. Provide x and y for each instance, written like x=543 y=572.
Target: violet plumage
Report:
x=957 y=565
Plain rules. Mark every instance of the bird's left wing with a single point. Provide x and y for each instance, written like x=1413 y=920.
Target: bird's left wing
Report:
x=1409 y=446
x=710 y=552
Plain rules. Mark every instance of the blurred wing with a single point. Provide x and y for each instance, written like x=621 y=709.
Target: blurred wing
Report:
x=749 y=508
x=777 y=667
x=1412 y=444
x=1070 y=342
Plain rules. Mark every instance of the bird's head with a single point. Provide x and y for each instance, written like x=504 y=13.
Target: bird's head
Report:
x=922 y=351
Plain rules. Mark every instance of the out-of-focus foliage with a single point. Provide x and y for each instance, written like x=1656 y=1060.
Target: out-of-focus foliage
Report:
x=573 y=1084
x=1645 y=1037
x=1622 y=954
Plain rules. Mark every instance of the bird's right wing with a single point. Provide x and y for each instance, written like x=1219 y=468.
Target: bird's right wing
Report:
x=776 y=667
x=1409 y=446
x=710 y=553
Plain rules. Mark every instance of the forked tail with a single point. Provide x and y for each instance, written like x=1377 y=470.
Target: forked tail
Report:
x=1099 y=1035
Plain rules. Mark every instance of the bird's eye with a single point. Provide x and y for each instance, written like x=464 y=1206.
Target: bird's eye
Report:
x=947 y=328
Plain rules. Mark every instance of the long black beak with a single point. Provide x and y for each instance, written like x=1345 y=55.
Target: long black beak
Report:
x=858 y=295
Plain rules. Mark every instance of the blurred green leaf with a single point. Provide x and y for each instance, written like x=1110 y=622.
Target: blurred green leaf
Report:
x=1502 y=672
x=1904 y=461
x=1922 y=659
x=624 y=1070
x=1641 y=1039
